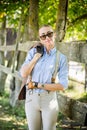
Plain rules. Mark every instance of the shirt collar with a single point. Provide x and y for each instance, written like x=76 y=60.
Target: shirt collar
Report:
x=52 y=51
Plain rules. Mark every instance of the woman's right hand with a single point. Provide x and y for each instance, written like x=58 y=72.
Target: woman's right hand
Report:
x=37 y=56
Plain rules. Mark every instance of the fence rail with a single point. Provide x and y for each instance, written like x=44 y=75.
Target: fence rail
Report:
x=75 y=51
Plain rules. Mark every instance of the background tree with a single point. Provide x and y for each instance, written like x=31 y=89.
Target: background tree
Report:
x=61 y=20
x=33 y=19
x=76 y=20
x=2 y=60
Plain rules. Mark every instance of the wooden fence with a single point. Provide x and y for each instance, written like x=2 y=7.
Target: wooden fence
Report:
x=75 y=51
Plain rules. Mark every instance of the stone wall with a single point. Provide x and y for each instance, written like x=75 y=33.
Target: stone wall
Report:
x=74 y=109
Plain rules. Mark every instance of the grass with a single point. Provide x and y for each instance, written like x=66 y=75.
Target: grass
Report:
x=11 y=118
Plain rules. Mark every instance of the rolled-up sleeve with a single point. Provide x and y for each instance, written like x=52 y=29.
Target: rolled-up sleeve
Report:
x=28 y=58
x=63 y=71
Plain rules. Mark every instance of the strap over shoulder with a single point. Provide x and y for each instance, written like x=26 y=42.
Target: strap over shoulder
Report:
x=56 y=65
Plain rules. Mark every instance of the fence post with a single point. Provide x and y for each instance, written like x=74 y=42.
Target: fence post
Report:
x=86 y=77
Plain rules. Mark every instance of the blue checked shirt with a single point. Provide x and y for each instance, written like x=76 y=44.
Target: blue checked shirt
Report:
x=45 y=67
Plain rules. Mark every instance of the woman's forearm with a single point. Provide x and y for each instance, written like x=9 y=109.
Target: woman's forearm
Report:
x=51 y=87
x=27 y=68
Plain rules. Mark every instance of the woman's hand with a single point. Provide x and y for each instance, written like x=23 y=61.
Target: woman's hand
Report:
x=37 y=56
x=30 y=85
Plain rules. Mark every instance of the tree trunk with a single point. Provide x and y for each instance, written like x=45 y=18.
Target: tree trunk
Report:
x=85 y=77
x=61 y=20
x=33 y=19
x=30 y=33
x=2 y=60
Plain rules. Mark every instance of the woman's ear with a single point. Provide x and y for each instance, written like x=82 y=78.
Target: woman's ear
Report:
x=54 y=34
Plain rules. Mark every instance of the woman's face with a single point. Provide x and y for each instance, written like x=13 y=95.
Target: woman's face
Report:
x=46 y=36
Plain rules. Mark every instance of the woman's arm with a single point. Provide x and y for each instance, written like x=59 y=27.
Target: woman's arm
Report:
x=27 y=68
x=51 y=87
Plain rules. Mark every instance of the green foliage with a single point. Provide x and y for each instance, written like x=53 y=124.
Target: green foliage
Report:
x=77 y=20
x=12 y=5
x=11 y=118
x=83 y=97
x=76 y=17
x=48 y=12
x=12 y=10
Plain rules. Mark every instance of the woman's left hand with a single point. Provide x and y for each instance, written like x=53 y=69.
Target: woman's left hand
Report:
x=30 y=85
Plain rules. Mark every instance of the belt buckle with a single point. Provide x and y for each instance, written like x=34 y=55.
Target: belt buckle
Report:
x=30 y=92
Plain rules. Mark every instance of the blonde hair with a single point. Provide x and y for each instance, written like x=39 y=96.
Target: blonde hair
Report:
x=45 y=25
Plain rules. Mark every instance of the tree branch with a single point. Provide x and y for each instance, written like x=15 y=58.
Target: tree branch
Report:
x=84 y=16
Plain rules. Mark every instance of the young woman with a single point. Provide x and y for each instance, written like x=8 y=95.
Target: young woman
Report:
x=41 y=105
